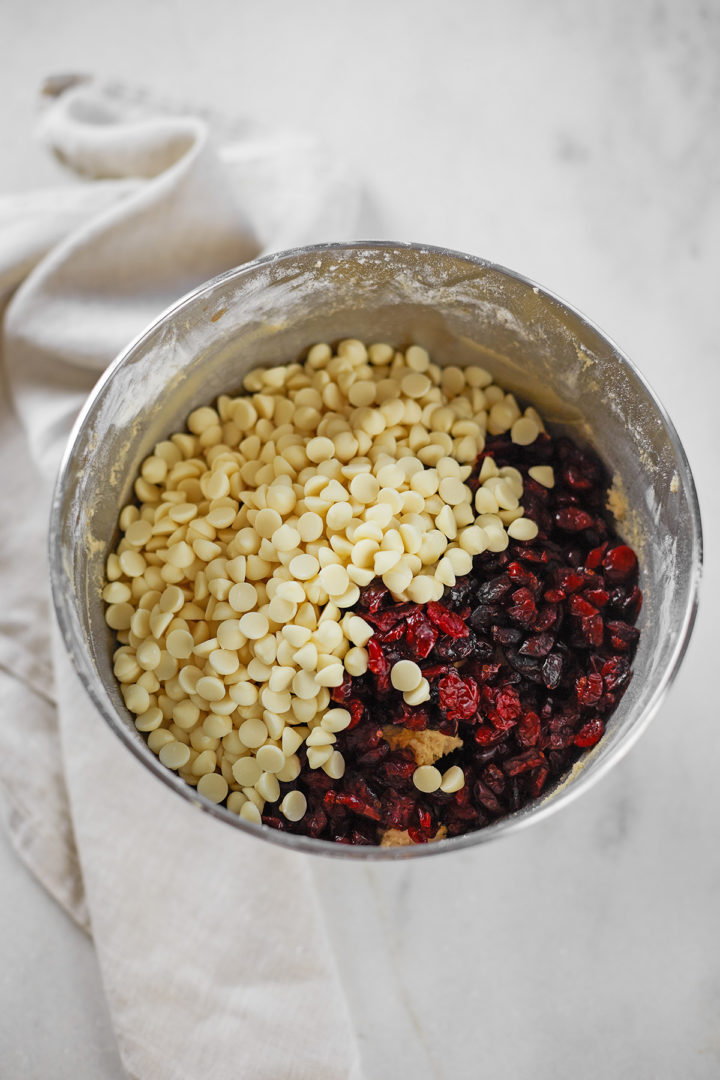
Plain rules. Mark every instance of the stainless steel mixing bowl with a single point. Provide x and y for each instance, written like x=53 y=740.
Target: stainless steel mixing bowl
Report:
x=464 y=310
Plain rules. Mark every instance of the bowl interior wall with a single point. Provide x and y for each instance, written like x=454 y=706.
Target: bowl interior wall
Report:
x=464 y=312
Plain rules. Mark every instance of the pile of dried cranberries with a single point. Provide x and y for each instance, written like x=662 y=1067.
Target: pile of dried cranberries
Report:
x=526 y=656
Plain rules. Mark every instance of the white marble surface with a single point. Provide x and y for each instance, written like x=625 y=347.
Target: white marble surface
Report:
x=579 y=145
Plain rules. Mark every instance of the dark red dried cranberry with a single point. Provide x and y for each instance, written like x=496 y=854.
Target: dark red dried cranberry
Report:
x=420 y=635
x=357 y=713
x=615 y=673
x=372 y=596
x=340 y=694
x=507 y=703
x=487 y=798
x=592 y=630
x=595 y=557
x=527 y=731
x=589 y=689
x=573 y=520
x=459 y=697
x=578 y=605
x=620 y=563
x=521 y=763
x=423 y=828
x=491 y=592
x=446 y=621
x=537 y=645
x=623 y=637
x=523 y=610
x=494 y=778
x=590 y=733
x=397 y=810
x=455 y=649
x=484 y=735
x=362 y=803
x=538 y=779
x=552 y=670
x=377 y=662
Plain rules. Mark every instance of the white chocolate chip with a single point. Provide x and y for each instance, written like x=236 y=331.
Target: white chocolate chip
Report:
x=356 y=661
x=336 y=720
x=452 y=780
x=318 y=755
x=405 y=675
x=420 y=694
x=270 y=758
x=320 y=737
x=304 y=567
x=213 y=786
x=522 y=529
x=358 y=631
x=174 y=755
x=543 y=474
x=254 y=625
x=294 y=805
x=253 y=733
x=334 y=766
x=524 y=431
x=427 y=778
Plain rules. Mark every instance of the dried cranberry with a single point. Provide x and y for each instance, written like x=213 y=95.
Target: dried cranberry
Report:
x=589 y=689
x=420 y=635
x=447 y=621
x=623 y=637
x=521 y=763
x=491 y=592
x=528 y=729
x=570 y=580
x=357 y=713
x=397 y=810
x=538 y=779
x=523 y=610
x=484 y=735
x=455 y=649
x=592 y=629
x=494 y=778
x=573 y=520
x=423 y=828
x=398 y=768
x=552 y=670
x=459 y=697
x=538 y=645
x=377 y=662
x=362 y=803
x=578 y=605
x=620 y=563
x=590 y=733
x=487 y=798
x=595 y=557
x=372 y=596
x=615 y=673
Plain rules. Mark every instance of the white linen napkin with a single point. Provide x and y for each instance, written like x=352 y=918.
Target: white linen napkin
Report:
x=212 y=949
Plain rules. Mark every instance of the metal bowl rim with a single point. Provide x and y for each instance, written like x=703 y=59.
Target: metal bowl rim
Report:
x=64 y=609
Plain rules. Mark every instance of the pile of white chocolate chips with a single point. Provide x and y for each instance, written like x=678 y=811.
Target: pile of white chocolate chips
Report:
x=232 y=586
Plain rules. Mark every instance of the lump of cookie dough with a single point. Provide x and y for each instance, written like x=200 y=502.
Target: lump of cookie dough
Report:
x=428 y=746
